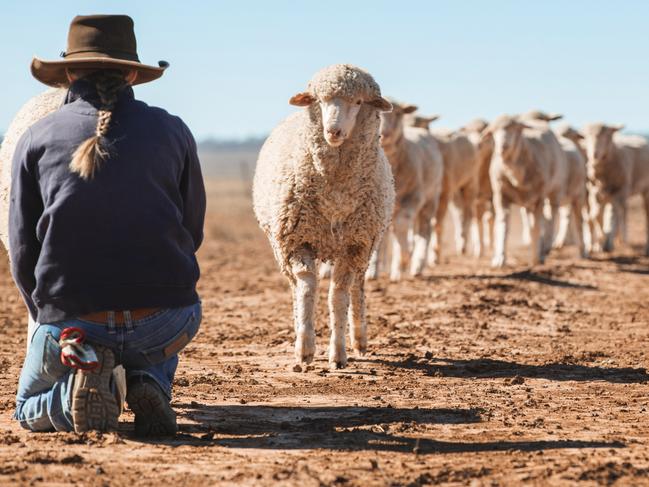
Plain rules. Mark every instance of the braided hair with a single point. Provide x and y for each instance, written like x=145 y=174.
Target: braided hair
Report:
x=93 y=151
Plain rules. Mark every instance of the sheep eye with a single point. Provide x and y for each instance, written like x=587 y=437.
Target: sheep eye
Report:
x=359 y=102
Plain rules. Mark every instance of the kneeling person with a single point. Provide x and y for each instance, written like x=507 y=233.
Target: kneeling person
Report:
x=106 y=215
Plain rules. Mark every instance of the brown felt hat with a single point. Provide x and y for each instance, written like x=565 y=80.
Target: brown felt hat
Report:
x=98 y=41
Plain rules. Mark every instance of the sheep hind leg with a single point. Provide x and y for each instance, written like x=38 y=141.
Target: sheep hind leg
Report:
x=537 y=220
x=357 y=321
x=339 y=302
x=400 y=253
x=501 y=230
x=303 y=267
x=379 y=257
x=435 y=245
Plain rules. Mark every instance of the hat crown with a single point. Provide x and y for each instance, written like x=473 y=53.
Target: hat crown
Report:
x=111 y=35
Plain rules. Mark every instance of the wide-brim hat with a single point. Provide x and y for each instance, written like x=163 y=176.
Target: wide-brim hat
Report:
x=98 y=42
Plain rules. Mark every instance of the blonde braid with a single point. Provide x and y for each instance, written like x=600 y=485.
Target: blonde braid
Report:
x=91 y=152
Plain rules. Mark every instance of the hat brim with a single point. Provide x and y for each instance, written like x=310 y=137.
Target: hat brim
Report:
x=52 y=73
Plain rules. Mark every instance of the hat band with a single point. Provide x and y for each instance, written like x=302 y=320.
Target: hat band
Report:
x=126 y=55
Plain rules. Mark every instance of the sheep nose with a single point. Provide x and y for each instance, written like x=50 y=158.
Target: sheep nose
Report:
x=334 y=132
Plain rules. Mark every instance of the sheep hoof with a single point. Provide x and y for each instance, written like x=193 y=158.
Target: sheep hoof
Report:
x=341 y=364
x=498 y=262
x=360 y=348
x=338 y=360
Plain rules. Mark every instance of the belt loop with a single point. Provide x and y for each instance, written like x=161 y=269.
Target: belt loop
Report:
x=112 y=329
x=128 y=321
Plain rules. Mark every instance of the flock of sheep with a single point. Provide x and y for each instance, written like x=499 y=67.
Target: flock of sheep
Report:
x=352 y=173
x=354 y=177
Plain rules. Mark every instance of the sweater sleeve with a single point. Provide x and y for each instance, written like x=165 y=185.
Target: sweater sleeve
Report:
x=25 y=209
x=192 y=190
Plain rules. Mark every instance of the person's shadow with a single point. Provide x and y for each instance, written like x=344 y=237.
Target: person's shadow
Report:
x=339 y=428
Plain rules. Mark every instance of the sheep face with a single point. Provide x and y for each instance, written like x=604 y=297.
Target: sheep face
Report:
x=598 y=139
x=507 y=136
x=338 y=119
x=570 y=133
x=336 y=94
x=392 y=123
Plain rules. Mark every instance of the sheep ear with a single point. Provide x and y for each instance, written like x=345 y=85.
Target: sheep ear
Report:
x=486 y=133
x=524 y=125
x=382 y=104
x=303 y=99
x=554 y=116
x=616 y=127
x=409 y=109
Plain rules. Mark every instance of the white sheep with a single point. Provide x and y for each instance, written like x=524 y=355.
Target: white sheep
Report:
x=571 y=176
x=574 y=202
x=484 y=147
x=523 y=172
x=418 y=169
x=31 y=112
x=617 y=168
x=323 y=190
x=460 y=186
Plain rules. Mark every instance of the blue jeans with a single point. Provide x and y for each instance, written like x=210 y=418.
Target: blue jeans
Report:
x=147 y=347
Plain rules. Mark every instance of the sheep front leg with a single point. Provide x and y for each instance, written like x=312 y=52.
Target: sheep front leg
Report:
x=501 y=228
x=536 y=220
x=400 y=253
x=303 y=268
x=339 y=301
x=526 y=233
x=609 y=225
x=549 y=214
x=422 y=237
x=358 y=323
x=621 y=215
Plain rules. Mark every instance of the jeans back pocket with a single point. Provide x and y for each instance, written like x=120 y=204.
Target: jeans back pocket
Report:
x=175 y=344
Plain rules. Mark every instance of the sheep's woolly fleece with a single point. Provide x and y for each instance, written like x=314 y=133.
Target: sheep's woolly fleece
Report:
x=335 y=201
x=35 y=109
x=344 y=81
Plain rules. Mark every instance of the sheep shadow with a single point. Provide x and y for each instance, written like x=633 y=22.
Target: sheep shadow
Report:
x=493 y=369
x=527 y=275
x=338 y=428
x=634 y=264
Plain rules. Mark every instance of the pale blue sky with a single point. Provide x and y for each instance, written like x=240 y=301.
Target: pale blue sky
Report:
x=235 y=64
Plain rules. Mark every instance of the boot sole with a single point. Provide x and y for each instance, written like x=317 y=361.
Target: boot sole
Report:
x=93 y=404
x=153 y=415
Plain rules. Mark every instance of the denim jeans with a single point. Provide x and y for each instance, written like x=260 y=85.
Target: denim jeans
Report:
x=147 y=347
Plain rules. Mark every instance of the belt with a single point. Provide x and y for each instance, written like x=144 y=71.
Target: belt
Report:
x=120 y=318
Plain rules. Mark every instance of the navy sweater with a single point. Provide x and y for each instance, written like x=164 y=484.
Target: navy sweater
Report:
x=125 y=239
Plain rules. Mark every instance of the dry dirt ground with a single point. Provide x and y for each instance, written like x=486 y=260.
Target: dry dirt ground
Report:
x=474 y=377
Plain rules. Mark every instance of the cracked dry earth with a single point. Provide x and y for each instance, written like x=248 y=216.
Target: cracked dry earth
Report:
x=474 y=377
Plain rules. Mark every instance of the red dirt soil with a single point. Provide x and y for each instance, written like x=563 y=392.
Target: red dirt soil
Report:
x=474 y=377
